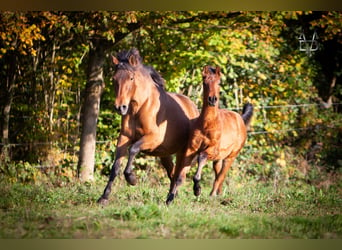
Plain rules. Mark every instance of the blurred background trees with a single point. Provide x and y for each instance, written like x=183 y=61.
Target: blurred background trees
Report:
x=50 y=64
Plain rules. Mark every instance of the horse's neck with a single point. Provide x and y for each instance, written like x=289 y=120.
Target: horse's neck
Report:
x=147 y=103
x=209 y=115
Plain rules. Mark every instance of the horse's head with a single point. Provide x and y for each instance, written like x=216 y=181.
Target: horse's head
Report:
x=211 y=80
x=125 y=79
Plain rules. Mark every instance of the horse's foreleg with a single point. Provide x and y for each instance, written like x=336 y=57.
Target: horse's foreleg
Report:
x=120 y=152
x=129 y=175
x=202 y=160
x=217 y=186
x=114 y=172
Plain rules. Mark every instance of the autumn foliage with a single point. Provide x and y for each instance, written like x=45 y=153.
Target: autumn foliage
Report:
x=44 y=59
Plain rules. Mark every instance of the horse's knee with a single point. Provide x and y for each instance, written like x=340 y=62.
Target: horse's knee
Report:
x=134 y=149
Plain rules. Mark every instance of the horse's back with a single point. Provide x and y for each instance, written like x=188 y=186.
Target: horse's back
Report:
x=188 y=107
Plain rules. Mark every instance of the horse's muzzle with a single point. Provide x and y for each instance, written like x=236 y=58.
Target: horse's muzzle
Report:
x=212 y=100
x=122 y=109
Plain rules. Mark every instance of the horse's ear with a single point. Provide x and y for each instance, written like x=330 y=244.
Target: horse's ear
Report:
x=115 y=60
x=133 y=60
x=206 y=70
x=218 y=70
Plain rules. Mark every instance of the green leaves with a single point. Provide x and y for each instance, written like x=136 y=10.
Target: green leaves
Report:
x=257 y=52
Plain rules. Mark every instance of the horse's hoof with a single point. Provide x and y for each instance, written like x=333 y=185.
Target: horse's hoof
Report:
x=131 y=179
x=169 y=199
x=197 y=191
x=102 y=201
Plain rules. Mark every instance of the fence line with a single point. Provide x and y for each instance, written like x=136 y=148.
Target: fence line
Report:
x=288 y=106
x=277 y=131
x=287 y=130
x=249 y=133
x=256 y=107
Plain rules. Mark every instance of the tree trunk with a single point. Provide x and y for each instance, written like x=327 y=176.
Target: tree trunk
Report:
x=90 y=112
x=6 y=103
x=6 y=116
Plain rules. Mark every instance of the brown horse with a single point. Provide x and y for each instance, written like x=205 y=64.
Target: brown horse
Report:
x=153 y=121
x=218 y=135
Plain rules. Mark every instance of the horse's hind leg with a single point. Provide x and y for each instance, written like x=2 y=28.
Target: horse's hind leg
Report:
x=202 y=159
x=168 y=165
x=217 y=166
x=217 y=186
x=182 y=167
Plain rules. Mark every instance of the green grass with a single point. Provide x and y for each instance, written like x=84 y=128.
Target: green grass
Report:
x=246 y=209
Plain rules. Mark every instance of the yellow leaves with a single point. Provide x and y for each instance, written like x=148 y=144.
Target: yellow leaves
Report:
x=3 y=36
x=262 y=76
x=238 y=46
x=39 y=87
x=33 y=52
x=64 y=82
x=131 y=17
x=281 y=160
x=22 y=37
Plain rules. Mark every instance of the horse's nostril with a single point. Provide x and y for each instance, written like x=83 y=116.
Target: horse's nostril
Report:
x=212 y=100
x=123 y=109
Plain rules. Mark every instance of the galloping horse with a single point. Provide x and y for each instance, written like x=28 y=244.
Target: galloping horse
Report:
x=218 y=135
x=153 y=121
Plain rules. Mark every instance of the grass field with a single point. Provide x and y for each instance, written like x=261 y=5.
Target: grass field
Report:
x=248 y=208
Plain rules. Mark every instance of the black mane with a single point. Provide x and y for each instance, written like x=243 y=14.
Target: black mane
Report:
x=123 y=58
x=212 y=70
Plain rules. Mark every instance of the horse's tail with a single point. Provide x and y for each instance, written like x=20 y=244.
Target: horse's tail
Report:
x=247 y=113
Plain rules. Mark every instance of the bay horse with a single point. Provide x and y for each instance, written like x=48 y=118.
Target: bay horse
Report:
x=153 y=121
x=217 y=135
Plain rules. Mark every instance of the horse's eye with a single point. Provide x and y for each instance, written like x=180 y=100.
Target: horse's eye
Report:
x=132 y=78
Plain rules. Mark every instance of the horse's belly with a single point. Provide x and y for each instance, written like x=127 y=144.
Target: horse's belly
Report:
x=160 y=151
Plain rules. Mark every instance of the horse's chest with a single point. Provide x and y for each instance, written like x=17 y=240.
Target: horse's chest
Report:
x=138 y=131
x=133 y=128
x=211 y=140
x=211 y=133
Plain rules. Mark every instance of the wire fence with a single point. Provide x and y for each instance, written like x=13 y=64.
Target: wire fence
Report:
x=290 y=106
x=251 y=133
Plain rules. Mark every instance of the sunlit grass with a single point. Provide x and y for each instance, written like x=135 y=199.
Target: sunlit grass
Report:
x=246 y=209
